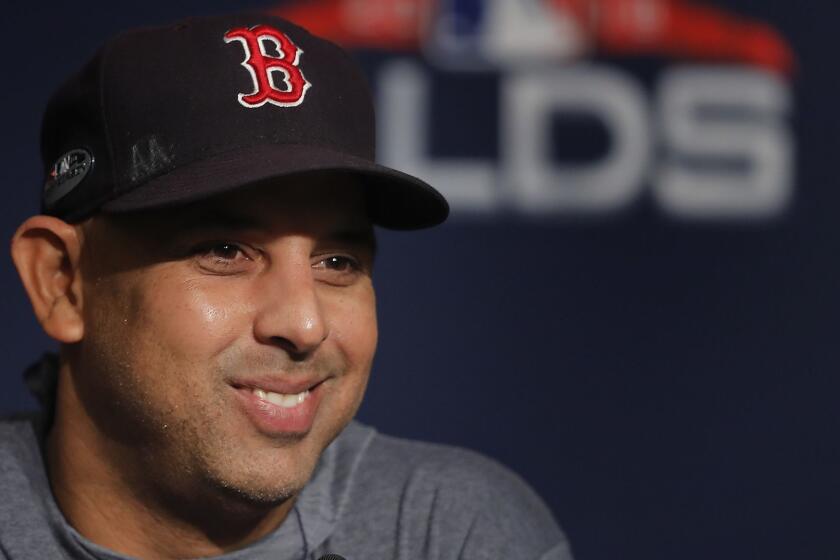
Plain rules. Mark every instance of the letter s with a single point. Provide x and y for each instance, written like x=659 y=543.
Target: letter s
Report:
x=728 y=147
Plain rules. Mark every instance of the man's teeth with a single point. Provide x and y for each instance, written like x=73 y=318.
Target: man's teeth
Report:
x=284 y=401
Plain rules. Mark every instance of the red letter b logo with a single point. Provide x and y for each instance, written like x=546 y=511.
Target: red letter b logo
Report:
x=264 y=67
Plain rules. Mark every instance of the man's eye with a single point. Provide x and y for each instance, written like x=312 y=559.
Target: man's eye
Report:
x=224 y=251
x=338 y=263
x=221 y=256
x=337 y=269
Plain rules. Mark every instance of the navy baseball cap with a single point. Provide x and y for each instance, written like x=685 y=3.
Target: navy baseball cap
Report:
x=175 y=114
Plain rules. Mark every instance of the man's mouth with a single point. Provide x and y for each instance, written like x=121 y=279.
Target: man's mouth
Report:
x=278 y=407
x=280 y=399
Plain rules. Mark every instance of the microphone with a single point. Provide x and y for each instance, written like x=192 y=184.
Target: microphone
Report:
x=331 y=557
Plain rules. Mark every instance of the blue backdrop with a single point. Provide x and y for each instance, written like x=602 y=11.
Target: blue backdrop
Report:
x=658 y=365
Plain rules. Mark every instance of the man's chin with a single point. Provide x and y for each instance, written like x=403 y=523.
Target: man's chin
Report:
x=260 y=473
x=252 y=496
x=261 y=488
x=231 y=511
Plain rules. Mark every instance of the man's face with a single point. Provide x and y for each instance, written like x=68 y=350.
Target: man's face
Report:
x=228 y=343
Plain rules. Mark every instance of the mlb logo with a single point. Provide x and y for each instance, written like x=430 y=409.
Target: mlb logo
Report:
x=478 y=34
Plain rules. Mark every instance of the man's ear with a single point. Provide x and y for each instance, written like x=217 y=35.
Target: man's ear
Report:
x=46 y=254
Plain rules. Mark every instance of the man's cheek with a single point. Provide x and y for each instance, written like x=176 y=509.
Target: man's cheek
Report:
x=354 y=327
x=199 y=320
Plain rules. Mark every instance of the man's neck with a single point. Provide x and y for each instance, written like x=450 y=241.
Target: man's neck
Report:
x=96 y=486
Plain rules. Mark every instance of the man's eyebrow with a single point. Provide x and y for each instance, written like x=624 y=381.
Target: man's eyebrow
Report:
x=225 y=220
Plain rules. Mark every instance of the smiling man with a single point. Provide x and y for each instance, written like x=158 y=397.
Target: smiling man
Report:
x=204 y=256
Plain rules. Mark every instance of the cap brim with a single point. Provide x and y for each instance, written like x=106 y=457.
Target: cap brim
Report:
x=396 y=200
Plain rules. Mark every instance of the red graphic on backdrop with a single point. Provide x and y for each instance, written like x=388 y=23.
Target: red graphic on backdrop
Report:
x=674 y=28
x=680 y=28
x=264 y=67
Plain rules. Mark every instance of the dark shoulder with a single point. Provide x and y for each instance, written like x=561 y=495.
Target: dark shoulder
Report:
x=18 y=437
x=20 y=453
x=25 y=499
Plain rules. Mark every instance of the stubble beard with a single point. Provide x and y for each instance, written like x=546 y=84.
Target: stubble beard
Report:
x=197 y=456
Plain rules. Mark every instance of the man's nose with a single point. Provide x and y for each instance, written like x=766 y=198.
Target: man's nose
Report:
x=291 y=315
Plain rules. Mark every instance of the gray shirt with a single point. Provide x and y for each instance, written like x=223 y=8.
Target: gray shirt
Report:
x=372 y=497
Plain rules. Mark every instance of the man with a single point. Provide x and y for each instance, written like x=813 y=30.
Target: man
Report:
x=204 y=257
